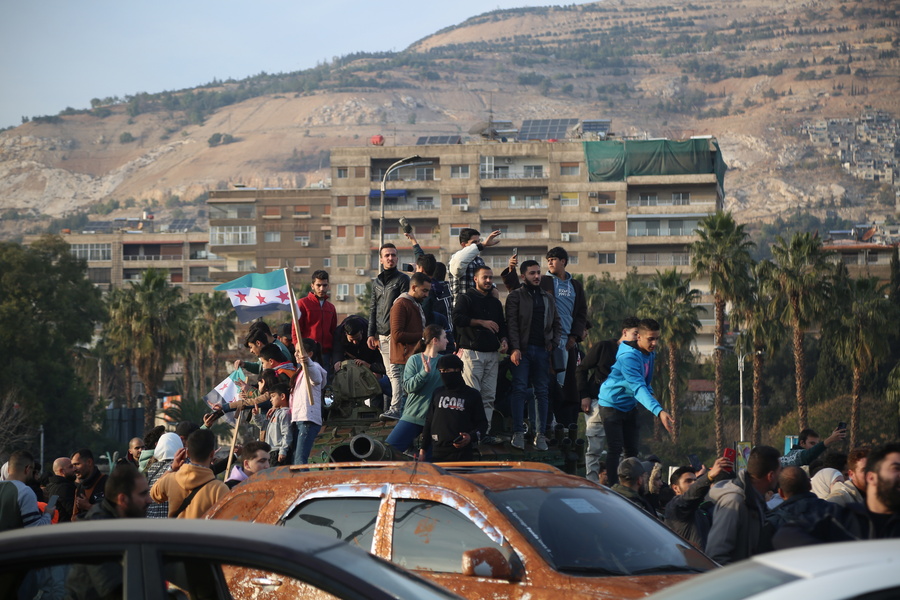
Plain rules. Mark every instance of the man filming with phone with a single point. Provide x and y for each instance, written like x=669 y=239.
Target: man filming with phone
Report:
x=809 y=448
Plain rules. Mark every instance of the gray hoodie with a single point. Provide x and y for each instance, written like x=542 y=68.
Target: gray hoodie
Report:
x=738 y=521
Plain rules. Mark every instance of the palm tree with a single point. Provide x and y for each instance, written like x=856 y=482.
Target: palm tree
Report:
x=760 y=335
x=212 y=330
x=609 y=301
x=860 y=315
x=797 y=279
x=722 y=253
x=671 y=301
x=148 y=323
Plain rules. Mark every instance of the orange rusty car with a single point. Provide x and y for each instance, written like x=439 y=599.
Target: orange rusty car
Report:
x=512 y=530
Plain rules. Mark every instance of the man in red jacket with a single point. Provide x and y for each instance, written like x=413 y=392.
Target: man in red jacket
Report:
x=318 y=318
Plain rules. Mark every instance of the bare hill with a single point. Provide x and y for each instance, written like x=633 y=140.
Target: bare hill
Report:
x=749 y=73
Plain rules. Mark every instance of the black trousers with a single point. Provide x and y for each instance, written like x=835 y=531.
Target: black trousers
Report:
x=622 y=434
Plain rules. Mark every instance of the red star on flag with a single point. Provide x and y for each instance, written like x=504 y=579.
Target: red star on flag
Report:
x=283 y=296
x=261 y=298
x=224 y=386
x=240 y=296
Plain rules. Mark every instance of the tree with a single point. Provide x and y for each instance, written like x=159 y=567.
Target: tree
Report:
x=671 y=301
x=859 y=316
x=722 y=253
x=797 y=280
x=212 y=331
x=126 y=138
x=609 y=302
x=150 y=319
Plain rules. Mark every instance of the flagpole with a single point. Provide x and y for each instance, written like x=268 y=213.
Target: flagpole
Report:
x=237 y=426
x=294 y=318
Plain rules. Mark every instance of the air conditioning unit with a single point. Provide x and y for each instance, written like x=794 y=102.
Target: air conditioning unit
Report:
x=360 y=271
x=464 y=207
x=485 y=199
x=341 y=297
x=508 y=160
x=566 y=237
x=298 y=269
x=593 y=195
x=304 y=243
x=595 y=209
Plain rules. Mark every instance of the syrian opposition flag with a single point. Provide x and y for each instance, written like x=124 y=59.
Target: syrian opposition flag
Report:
x=258 y=294
x=227 y=391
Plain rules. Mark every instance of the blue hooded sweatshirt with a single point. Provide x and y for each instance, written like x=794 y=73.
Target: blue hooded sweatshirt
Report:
x=629 y=380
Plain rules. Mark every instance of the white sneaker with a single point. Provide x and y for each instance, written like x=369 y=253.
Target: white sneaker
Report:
x=518 y=440
x=540 y=442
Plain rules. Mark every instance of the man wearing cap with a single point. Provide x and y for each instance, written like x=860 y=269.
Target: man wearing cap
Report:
x=631 y=474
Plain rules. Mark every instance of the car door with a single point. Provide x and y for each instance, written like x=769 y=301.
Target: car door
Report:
x=428 y=529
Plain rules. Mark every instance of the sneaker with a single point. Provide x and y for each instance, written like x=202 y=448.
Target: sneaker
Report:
x=392 y=414
x=518 y=440
x=492 y=440
x=540 y=442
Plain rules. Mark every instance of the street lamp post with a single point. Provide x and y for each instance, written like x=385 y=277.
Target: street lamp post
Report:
x=741 y=355
x=415 y=159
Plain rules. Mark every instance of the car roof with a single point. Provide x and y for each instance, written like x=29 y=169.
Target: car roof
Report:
x=822 y=559
x=487 y=475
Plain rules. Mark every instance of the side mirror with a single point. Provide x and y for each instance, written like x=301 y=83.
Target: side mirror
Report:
x=490 y=562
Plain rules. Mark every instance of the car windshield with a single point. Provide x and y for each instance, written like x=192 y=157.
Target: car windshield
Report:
x=736 y=582
x=589 y=531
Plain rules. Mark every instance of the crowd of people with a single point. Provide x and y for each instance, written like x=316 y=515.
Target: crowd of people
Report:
x=434 y=350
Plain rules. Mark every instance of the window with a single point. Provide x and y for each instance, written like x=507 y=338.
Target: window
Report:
x=343 y=261
x=459 y=171
x=360 y=201
x=92 y=251
x=534 y=171
x=432 y=536
x=246 y=265
x=359 y=289
x=501 y=172
x=343 y=289
x=568 y=199
x=301 y=211
x=573 y=258
x=273 y=263
x=605 y=199
x=343 y=173
x=360 y=261
x=606 y=258
x=606 y=226
x=301 y=236
x=272 y=236
x=338 y=517
x=681 y=198
x=99 y=275
x=326 y=210
x=272 y=212
x=424 y=173
x=455 y=229
x=341 y=231
x=459 y=200
x=568 y=227
x=648 y=200
x=326 y=262
x=569 y=169
x=342 y=201
x=359 y=231
x=359 y=172
x=424 y=202
x=232 y=211
x=232 y=235
x=534 y=229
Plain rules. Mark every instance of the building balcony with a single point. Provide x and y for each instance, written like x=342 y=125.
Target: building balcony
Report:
x=406 y=206
x=152 y=257
x=514 y=174
x=658 y=260
x=532 y=204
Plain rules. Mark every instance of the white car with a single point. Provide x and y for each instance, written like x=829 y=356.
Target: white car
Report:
x=867 y=570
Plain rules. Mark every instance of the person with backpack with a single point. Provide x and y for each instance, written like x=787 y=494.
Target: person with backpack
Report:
x=18 y=504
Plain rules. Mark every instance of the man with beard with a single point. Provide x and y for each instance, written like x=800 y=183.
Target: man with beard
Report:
x=317 y=318
x=89 y=482
x=62 y=484
x=456 y=418
x=876 y=518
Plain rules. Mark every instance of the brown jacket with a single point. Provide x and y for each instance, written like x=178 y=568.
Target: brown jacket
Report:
x=518 y=319
x=175 y=487
x=407 y=328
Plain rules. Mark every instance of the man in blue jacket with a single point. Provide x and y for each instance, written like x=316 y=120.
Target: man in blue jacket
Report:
x=629 y=382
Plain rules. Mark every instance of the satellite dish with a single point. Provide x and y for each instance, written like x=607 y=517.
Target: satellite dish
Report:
x=480 y=127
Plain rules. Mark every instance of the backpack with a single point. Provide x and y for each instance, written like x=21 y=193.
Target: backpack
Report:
x=10 y=514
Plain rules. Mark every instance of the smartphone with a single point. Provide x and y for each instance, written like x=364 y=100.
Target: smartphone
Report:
x=694 y=461
x=515 y=252
x=730 y=454
x=842 y=425
x=51 y=505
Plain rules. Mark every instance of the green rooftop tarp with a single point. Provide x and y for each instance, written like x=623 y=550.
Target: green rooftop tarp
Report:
x=615 y=160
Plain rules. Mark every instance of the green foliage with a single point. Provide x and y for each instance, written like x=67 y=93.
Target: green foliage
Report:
x=219 y=139
x=364 y=301
x=126 y=138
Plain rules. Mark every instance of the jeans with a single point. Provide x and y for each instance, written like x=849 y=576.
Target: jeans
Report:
x=394 y=373
x=306 y=432
x=621 y=432
x=480 y=373
x=534 y=367
x=403 y=435
x=596 y=441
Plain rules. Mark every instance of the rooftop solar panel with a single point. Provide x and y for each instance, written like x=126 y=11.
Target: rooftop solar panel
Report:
x=601 y=126
x=438 y=139
x=545 y=129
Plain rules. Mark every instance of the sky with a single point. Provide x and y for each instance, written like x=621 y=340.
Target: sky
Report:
x=62 y=53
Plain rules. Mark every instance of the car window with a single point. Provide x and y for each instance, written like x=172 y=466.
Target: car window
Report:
x=586 y=530
x=431 y=536
x=95 y=577
x=349 y=519
x=739 y=581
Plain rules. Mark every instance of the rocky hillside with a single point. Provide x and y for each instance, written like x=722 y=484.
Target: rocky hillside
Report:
x=749 y=73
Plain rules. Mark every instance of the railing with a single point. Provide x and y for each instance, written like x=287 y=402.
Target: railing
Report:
x=523 y=235
x=669 y=202
x=145 y=257
x=658 y=260
x=662 y=231
x=514 y=175
x=514 y=204
x=407 y=206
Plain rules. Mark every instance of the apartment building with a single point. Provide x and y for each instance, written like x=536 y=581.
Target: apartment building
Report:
x=259 y=230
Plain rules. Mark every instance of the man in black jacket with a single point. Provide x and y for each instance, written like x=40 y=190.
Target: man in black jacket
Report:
x=481 y=334
x=386 y=288
x=599 y=359
x=62 y=483
x=689 y=514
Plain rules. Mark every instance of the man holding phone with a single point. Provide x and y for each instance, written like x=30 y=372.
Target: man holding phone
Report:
x=809 y=448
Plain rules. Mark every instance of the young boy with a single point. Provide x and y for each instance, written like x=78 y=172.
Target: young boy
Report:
x=456 y=420
x=306 y=415
x=277 y=423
